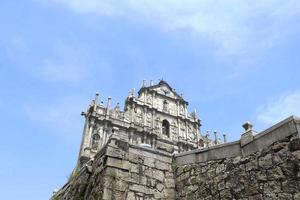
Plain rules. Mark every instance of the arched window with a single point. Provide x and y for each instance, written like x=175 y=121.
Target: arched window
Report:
x=95 y=141
x=166 y=128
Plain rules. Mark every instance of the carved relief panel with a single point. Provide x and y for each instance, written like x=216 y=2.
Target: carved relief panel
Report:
x=157 y=126
x=182 y=131
x=138 y=116
x=181 y=109
x=148 y=119
x=191 y=132
x=149 y=99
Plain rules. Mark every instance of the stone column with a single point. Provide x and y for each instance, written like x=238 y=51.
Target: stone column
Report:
x=105 y=133
x=207 y=138
x=153 y=119
x=153 y=97
x=132 y=113
x=145 y=116
x=197 y=136
x=145 y=97
x=178 y=109
x=186 y=131
x=179 y=132
x=130 y=137
x=144 y=138
x=84 y=139
x=185 y=111
x=154 y=141
x=108 y=107
x=96 y=101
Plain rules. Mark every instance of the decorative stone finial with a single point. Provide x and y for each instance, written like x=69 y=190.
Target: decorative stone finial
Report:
x=82 y=113
x=247 y=136
x=144 y=83
x=101 y=104
x=247 y=126
x=207 y=134
x=224 y=137
x=151 y=82
x=117 y=106
x=216 y=137
x=96 y=101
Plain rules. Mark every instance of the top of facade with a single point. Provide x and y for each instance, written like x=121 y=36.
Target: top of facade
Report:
x=162 y=88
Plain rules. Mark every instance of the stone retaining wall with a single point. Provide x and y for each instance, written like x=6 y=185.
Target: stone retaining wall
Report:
x=122 y=171
x=266 y=168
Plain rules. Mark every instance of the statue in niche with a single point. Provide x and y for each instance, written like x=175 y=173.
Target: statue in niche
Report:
x=192 y=132
x=139 y=117
x=181 y=109
x=148 y=119
x=157 y=125
x=100 y=130
x=149 y=99
x=165 y=106
x=182 y=126
x=192 y=136
x=95 y=141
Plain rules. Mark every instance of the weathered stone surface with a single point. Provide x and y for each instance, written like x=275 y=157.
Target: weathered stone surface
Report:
x=272 y=173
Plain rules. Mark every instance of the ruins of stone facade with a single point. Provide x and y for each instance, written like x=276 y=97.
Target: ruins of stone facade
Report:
x=154 y=150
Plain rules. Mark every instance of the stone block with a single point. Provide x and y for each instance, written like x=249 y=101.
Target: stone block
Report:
x=117 y=163
x=160 y=187
x=246 y=138
x=150 y=162
x=158 y=175
x=170 y=183
x=114 y=152
x=252 y=165
x=294 y=144
x=140 y=189
x=169 y=193
x=162 y=166
x=265 y=161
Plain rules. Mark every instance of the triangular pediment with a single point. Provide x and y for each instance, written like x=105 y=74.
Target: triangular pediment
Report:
x=165 y=89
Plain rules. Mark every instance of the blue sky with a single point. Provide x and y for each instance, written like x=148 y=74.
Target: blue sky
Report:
x=233 y=61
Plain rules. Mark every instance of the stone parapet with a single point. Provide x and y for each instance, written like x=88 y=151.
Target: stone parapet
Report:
x=283 y=129
x=270 y=173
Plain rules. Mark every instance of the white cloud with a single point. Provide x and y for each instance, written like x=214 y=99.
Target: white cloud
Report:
x=280 y=109
x=235 y=26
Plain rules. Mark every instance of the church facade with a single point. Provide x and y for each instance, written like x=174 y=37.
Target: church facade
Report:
x=156 y=118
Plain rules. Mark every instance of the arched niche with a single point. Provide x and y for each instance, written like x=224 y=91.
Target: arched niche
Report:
x=165 y=127
x=95 y=141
